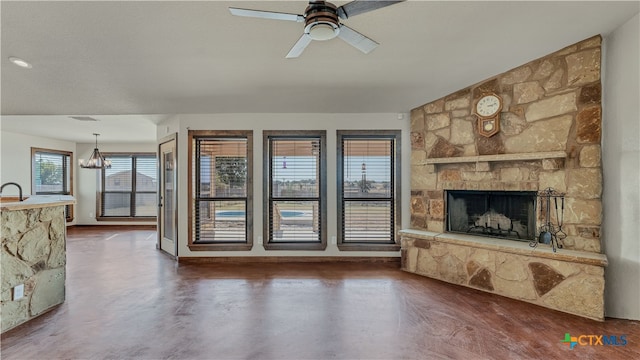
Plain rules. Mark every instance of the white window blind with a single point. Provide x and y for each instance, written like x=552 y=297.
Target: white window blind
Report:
x=367 y=189
x=294 y=194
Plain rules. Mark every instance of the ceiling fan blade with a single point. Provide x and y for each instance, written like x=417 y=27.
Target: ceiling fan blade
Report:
x=356 y=39
x=299 y=47
x=358 y=7
x=266 y=14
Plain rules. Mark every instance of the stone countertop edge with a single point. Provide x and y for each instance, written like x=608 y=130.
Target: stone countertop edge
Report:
x=38 y=201
x=520 y=247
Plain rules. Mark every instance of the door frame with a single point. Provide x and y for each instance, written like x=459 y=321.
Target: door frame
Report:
x=164 y=140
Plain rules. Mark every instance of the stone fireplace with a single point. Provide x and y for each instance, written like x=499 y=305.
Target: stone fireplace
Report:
x=474 y=203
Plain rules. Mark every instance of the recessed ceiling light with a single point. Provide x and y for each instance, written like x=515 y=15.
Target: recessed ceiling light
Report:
x=19 y=62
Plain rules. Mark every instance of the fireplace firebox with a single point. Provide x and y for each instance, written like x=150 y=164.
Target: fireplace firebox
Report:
x=502 y=214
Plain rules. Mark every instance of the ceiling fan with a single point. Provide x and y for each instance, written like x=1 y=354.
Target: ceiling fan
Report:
x=322 y=23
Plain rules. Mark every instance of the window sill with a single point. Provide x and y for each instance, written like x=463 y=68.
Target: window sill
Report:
x=126 y=218
x=369 y=247
x=295 y=246
x=220 y=247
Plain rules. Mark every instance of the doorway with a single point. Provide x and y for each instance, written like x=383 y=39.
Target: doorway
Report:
x=168 y=197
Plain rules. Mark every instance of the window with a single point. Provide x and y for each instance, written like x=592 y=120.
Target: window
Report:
x=128 y=190
x=51 y=174
x=220 y=194
x=368 y=190
x=295 y=190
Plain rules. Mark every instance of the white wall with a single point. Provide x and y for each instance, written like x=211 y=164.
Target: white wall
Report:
x=260 y=122
x=621 y=166
x=87 y=181
x=168 y=127
x=15 y=160
x=15 y=166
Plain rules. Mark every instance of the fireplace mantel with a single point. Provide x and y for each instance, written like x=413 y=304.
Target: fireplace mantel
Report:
x=496 y=158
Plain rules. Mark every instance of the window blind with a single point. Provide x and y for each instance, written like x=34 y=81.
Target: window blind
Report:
x=294 y=193
x=220 y=182
x=52 y=175
x=129 y=187
x=367 y=190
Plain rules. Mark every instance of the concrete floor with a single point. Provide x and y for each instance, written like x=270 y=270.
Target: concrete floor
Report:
x=126 y=300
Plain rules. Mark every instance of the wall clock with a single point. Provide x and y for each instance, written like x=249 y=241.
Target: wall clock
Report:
x=488 y=109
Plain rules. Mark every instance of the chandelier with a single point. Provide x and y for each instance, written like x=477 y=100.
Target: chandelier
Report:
x=96 y=160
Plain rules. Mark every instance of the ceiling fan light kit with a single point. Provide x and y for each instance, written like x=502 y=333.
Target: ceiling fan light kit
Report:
x=322 y=23
x=322 y=31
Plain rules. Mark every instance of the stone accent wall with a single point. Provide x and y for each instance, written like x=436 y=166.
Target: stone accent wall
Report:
x=33 y=254
x=549 y=138
x=551 y=104
x=568 y=281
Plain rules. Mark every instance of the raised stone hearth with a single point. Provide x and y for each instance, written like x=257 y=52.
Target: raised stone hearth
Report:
x=549 y=138
x=569 y=281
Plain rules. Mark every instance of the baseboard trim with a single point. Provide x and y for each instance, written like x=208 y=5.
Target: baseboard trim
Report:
x=288 y=259
x=113 y=226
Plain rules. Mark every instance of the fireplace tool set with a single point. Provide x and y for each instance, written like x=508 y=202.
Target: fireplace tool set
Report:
x=550 y=233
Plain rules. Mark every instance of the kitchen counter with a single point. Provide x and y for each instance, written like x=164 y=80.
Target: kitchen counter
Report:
x=34 y=202
x=33 y=256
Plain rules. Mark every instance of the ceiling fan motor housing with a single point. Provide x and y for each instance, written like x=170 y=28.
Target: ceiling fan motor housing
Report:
x=321 y=21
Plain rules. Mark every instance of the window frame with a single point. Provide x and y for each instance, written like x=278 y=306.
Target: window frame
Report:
x=320 y=135
x=230 y=246
x=34 y=150
x=101 y=184
x=395 y=136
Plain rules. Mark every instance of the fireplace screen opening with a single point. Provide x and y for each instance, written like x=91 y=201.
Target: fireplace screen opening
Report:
x=503 y=214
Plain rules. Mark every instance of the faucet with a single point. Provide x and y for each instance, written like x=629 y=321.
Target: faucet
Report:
x=16 y=184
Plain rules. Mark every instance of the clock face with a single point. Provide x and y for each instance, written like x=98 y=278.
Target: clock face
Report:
x=488 y=106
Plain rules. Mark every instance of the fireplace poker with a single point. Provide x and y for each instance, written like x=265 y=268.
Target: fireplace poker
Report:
x=548 y=233
x=560 y=234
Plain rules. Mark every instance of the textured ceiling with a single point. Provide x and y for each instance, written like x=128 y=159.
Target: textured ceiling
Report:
x=141 y=58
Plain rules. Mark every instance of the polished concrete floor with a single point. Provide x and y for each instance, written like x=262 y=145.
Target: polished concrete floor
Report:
x=126 y=300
